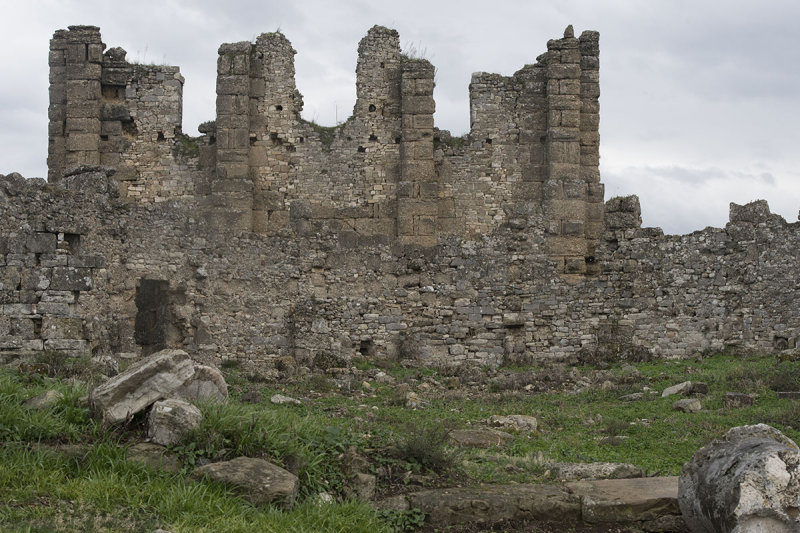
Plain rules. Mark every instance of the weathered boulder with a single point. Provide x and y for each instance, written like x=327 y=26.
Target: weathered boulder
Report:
x=478 y=438
x=513 y=422
x=259 y=482
x=748 y=480
x=171 y=419
x=144 y=383
x=206 y=385
x=688 y=405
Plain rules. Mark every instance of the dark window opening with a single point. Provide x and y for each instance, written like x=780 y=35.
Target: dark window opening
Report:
x=301 y=140
x=112 y=92
x=253 y=140
x=373 y=137
x=160 y=136
x=129 y=128
x=104 y=137
x=383 y=65
x=73 y=243
x=590 y=259
x=152 y=313
x=372 y=107
x=290 y=148
x=362 y=149
x=278 y=107
x=367 y=348
x=488 y=141
x=397 y=140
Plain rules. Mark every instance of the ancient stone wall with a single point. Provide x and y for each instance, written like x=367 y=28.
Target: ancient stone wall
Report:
x=279 y=243
x=106 y=111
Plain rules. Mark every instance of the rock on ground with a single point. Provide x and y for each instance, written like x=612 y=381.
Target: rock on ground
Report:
x=144 y=383
x=478 y=438
x=259 y=482
x=171 y=419
x=688 y=405
x=748 y=480
x=578 y=471
x=44 y=400
x=513 y=422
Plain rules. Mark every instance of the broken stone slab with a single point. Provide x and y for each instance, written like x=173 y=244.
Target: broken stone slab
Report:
x=579 y=471
x=169 y=420
x=492 y=503
x=259 y=482
x=154 y=456
x=513 y=422
x=749 y=480
x=792 y=395
x=144 y=383
x=627 y=500
x=688 y=405
x=479 y=438
x=44 y=400
x=686 y=388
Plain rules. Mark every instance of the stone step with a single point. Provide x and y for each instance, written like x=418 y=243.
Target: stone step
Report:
x=648 y=503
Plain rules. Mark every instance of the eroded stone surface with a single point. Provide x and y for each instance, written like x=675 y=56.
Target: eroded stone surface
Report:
x=747 y=480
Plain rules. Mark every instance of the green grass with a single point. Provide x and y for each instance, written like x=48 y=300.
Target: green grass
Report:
x=60 y=470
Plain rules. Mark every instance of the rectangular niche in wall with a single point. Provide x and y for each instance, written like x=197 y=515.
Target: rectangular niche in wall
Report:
x=152 y=310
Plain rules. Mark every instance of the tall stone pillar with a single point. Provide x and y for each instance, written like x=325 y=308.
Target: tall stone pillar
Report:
x=232 y=187
x=418 y=189
x=76 y=58
x=572 y=195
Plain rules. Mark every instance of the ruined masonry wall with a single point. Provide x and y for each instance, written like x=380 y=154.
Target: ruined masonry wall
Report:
x=106 y=111
x=279 y=243
x=71 y=279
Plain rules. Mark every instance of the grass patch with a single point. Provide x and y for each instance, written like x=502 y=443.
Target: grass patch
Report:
x=76 y=477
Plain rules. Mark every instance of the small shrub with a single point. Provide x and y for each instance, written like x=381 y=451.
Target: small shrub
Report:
x=426 y=446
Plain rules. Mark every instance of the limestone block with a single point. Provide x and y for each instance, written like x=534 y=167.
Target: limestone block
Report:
x=233 y=85
x=560 y=71
x=418 y=105
x=54 y=327
x=82 y=141
x=71 y=279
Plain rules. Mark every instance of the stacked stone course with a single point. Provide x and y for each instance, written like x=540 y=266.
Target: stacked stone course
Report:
x=280 y=243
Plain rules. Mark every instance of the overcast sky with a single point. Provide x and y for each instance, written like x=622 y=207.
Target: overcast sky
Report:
x=700 y=100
